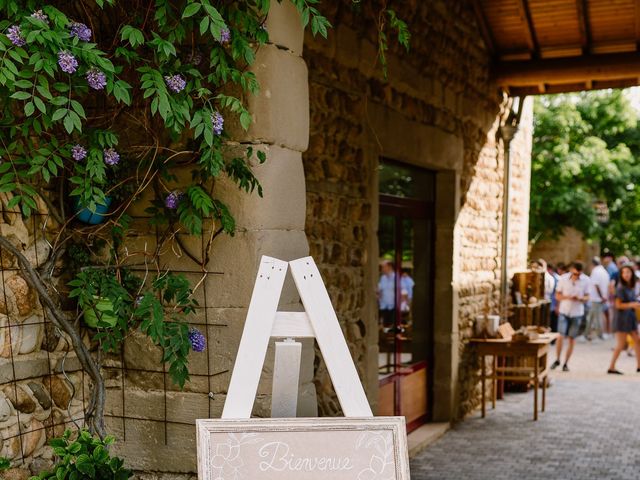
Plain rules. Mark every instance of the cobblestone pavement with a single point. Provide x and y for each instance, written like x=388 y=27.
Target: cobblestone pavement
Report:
x=591 y=430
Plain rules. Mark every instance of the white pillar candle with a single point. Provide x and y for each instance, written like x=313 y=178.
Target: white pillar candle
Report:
x=286 y=376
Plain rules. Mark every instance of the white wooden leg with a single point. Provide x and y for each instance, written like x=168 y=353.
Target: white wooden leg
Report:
x=255 y=338
x=330 y=338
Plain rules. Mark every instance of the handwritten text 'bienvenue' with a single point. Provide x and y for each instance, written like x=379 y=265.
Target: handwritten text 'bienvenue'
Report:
x=278 y=457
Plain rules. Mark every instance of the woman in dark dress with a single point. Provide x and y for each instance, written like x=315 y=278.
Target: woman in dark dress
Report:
x=625 y=322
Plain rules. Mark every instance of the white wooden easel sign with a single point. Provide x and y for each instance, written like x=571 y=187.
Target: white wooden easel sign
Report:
x=237 y=447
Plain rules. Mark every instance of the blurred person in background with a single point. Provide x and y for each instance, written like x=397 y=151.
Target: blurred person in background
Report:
x=625 y=322
x=598 y=297
x=572 y=293
x=554 y=301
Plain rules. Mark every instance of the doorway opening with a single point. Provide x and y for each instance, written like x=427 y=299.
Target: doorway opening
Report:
x=406 y=237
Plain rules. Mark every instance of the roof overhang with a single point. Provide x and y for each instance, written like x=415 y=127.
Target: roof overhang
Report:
x=553 y=46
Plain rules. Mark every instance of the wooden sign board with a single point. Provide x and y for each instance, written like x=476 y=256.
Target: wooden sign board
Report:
x=236 y=447
x=303 y=449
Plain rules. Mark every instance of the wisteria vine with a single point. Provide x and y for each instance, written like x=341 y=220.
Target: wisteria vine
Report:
x=106 y=103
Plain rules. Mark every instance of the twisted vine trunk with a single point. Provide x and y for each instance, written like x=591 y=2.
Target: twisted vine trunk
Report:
x=94 y=414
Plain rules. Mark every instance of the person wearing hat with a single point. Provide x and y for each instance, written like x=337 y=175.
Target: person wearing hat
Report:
x=598 y=296
x=540 y=266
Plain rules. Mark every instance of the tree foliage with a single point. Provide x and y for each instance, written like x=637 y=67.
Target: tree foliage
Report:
x=586 y=149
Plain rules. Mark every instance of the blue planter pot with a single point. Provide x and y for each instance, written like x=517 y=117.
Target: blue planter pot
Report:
x=93 y=218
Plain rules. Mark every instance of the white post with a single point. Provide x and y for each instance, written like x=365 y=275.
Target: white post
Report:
x=286 y=376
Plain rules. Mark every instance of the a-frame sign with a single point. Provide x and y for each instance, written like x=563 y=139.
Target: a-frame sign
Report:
x=358 y=447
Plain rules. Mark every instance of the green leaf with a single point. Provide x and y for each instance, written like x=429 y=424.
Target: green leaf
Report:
x=75 y=447
x=68 y=123
x=23 y=84
x=191 y=10
x=44 y=91
x=245 y=120
x=21 y=95
x=40 y=104
x=29 y=108
x=204 y=25
x=77 y=107
x=58 y=114
x=61 y=472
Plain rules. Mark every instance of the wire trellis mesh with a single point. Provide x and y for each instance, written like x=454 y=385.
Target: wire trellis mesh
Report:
x=43 y=389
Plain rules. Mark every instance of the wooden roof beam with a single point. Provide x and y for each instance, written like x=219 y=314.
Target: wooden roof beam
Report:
x=637 y=15
x=613 y=66
x=525 y=15
x=484 y=27
x=583 y=25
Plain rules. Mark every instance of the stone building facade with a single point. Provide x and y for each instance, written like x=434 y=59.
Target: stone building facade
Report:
x=325 y=117
x=437 y=110
x=570 y=246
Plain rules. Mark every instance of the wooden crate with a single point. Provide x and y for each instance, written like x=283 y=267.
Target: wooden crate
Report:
x=534 y=314
x=528 y=284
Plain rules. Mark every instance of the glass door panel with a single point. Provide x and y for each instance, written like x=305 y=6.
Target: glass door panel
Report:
x=405 y=292
x=387 y=295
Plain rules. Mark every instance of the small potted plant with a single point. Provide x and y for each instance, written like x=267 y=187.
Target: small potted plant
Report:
x=91 y=205
x=95 y=215
x=101 y=314
x=101 y=297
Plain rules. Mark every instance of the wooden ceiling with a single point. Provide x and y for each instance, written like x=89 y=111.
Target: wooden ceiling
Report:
x=553 y=46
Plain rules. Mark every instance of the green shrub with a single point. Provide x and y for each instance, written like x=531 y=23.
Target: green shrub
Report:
x=86 y=457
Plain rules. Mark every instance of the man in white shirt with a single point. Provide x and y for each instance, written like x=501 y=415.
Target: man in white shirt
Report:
x=387 y=294
x=598 y=296
x=572 y=293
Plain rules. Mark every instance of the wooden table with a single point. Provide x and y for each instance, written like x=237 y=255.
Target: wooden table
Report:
x=535 y=350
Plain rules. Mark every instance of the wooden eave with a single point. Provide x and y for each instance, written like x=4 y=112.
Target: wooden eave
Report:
x=553 y=46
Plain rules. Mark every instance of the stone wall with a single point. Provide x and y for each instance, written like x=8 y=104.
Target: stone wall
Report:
x=154 y=420
x=479 y=231
x=570 y=246
x=41 y=385
x=438 y=110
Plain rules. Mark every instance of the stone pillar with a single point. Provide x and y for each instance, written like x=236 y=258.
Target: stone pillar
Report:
x=273 y=226
x=446 y=335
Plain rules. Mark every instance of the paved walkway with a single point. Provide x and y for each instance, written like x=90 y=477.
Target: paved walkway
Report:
x=591 y=430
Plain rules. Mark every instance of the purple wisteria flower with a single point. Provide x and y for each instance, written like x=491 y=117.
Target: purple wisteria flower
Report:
x=81 y=31
x=96 y=79
x=176 y=83
x=225 y=35
x=15 y=35
x=78 y=152
x=197 y=339
x=67 y=61
x=110 y=156
x=218 y=122
x=40 y=15
x=173 y=199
